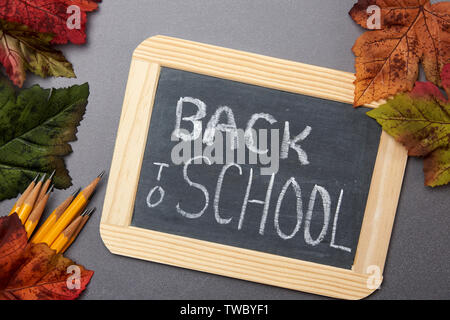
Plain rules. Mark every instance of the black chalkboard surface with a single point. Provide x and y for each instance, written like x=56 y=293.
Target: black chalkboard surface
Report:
x=314 y=208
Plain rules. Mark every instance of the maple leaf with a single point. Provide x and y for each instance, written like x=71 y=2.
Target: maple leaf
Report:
x=21 y=49
x=420 y=120
x=387 y=60
x=35 y=128
x=86 y=5
x=49 y=16
x=34 y=271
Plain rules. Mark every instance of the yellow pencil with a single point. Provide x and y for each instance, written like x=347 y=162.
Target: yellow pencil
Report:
x=51 y=220
x=45 y=186
x=27 y=206
x=36 y=214
x=64 y=237
x=71 y=212
x=84 y=218
x=24 y=195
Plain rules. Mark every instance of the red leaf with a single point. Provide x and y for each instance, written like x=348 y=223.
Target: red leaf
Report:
x=426 y=90
x=86 y=5
x=49 y=16
x=35 y=272
x=445 y=76
x=22 y=49
x=13 y=241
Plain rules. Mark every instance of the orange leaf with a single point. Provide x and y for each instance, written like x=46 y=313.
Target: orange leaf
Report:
x=387 y=60
x=34 y=271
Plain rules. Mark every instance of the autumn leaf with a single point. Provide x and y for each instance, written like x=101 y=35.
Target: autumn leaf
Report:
x=34 y=271
x=86 y=5
x=420 y=120
x=387 y=60
x=49 y=16
x=13 y=242
x=44 y=276
x=35 y=128
x=22 y=49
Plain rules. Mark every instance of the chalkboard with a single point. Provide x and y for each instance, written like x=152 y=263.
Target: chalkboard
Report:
x=251 y=167
x=341 y=149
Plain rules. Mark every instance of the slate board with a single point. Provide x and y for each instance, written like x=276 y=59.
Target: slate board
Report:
x=341 y=149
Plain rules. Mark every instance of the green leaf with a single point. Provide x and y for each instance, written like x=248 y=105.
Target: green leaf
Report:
x=422 y=125
x=420 y=120
x=35 y=128
x=22 y=48
x=437 y=167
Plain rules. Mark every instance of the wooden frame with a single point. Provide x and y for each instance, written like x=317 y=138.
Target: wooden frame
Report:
x=121 y=238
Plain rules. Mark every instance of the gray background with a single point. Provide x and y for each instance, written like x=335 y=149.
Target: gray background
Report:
x=316 y=32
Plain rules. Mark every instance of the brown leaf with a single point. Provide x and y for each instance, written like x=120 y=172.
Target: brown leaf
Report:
x=393 y=12
x=387 y=60
x=44 y=276
x=34 y=271
x=13 y=241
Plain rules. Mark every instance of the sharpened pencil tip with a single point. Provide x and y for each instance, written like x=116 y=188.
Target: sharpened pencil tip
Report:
x=75 y=193
x=42 y=178
x=101 y=174
x=84 y=212
x=50 y=189
x=51 y=176
x=91 y=212
x=35 y=179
